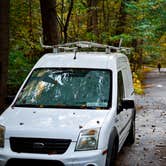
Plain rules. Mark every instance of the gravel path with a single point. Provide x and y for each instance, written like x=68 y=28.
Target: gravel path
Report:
x=150 y=145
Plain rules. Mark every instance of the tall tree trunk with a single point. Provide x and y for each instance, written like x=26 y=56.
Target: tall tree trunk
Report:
x=4 y=50
x=138 y=62
x=67 y=21
x=30 y=20
x=104 y=15
x=49 y=22
x=121 y=26
x=92 y=21
x=122 y=19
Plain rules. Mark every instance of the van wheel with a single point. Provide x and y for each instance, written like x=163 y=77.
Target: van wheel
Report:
x=111 y=155
x=131 y=137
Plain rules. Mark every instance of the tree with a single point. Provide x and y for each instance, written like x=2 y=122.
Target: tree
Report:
x=4 y=50
x=67 y=20
x=64 y=18
x=4 y=42
x=25 y=26
x=146 y=20
x=49 y=22
x=92 y=21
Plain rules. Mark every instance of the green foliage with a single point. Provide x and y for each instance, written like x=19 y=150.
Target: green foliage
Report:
x=141 y=24
x=147 y=19
x=19 y=67
x=25 y=30
x=25 y=26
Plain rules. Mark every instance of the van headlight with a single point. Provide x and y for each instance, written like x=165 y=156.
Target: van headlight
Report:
x=2 y=134
x=88 y=140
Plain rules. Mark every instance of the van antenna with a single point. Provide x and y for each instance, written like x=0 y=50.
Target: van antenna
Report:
x=75 y=54
x=120 y=42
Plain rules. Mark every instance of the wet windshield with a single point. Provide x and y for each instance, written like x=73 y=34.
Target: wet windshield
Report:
x=62 y=88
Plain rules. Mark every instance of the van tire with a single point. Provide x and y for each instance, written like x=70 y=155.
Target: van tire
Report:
x=131 y=136
x=112 y=154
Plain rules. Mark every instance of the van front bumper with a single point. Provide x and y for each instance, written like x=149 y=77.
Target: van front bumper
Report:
x=69 y=158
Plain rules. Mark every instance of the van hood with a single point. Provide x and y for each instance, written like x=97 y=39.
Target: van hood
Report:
x=50 y=123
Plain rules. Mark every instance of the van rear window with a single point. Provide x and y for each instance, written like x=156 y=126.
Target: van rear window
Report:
x=67 y=88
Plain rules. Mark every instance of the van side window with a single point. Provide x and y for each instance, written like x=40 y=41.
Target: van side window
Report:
x=120 y=90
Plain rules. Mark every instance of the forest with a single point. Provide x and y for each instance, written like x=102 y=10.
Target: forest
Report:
x=140 y=23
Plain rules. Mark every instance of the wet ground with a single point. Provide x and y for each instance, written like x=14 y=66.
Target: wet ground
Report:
x=150 y=145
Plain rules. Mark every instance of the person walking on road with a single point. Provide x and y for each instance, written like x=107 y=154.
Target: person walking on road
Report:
x=159 y=67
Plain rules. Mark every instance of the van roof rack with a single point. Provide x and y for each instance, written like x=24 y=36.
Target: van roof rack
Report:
x=74 y=46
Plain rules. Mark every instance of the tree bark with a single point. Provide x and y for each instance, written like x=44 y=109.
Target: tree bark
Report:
x=67 y=21
x=122 y=20
x=4 y=50
x=49 y=22
x=92 y=21
x=30 y=21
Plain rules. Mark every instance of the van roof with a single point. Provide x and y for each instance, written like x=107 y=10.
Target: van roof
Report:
x=99 y=60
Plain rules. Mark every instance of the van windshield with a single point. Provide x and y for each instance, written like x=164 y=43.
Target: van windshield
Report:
x=67 y=88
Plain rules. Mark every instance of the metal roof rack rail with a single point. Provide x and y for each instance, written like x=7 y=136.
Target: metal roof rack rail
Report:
x=74 y=46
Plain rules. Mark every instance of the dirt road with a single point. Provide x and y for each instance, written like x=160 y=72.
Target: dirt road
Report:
x=150 y=145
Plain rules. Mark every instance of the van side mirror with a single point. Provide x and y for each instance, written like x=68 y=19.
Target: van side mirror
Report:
x=127 y=104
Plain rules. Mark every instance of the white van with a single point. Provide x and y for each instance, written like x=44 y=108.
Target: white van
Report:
x=75 y=108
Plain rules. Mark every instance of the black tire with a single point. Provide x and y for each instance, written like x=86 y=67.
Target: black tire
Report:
x=131 y=137
x=112 y=153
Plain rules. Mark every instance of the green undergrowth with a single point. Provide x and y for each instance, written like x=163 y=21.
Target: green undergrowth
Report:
x=138 y=78
x=19 y=67
x=137 y=84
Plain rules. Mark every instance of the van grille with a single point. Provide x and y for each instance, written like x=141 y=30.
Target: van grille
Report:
x=39 y=145
x=32 y=162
